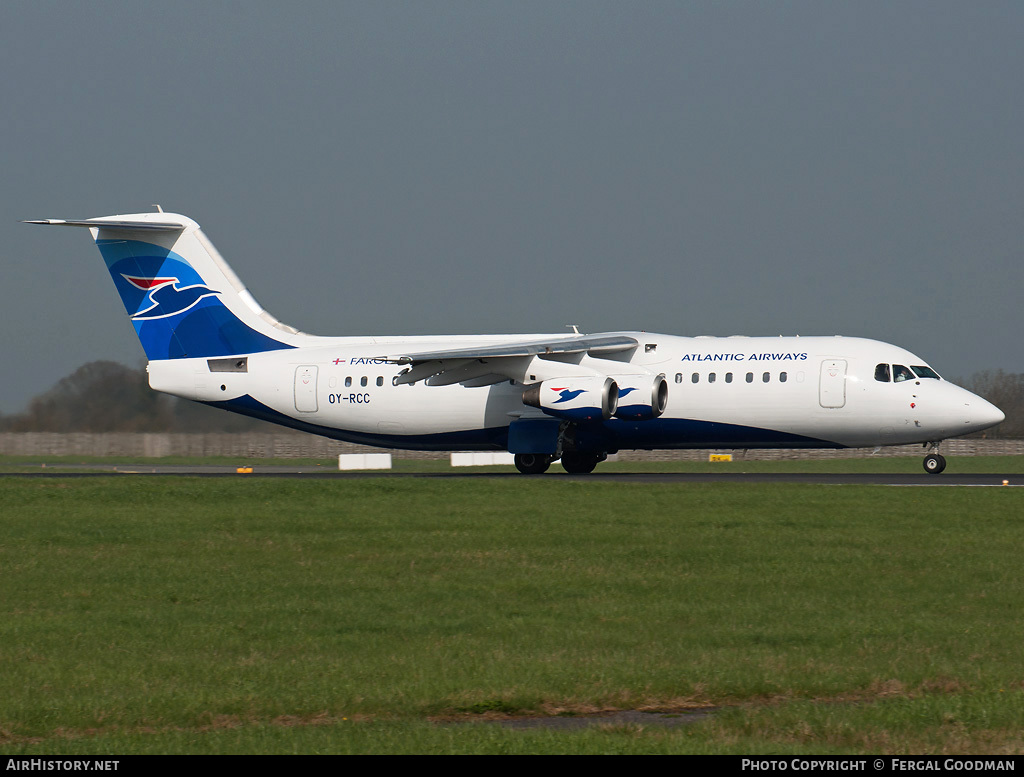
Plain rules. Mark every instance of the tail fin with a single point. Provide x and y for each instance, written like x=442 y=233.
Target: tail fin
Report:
x=182 y=297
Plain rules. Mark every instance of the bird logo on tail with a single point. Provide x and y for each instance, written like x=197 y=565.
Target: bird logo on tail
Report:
x=166 y=297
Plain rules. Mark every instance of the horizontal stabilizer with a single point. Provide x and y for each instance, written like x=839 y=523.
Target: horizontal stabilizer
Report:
x=149 y=226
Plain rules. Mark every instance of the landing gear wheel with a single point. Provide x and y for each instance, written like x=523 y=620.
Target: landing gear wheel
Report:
x=532 y=463
x=579 y=463
x=934 y=463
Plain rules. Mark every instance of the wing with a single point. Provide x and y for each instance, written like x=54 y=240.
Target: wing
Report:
x=481 y=365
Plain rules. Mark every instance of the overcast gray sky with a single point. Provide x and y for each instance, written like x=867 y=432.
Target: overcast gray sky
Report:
x=470 y=167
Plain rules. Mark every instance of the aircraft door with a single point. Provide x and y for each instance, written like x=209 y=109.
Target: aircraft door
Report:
x=832 y=385
x=305 y=388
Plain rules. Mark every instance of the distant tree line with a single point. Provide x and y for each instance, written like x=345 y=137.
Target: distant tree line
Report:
x=105 y=396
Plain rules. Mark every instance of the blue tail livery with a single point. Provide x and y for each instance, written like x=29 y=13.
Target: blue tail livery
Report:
x=183 y=300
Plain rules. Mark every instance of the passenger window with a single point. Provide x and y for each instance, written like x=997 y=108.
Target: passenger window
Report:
x=728 y=377
x=882 y=373
x=679 y=377
x=362 y=381
x=901 y=373
x=783 y=377
x=766 y=377
x=694 y=378
x=750 y=377
x=711 y=378
x=380 y=380
x=348 y=381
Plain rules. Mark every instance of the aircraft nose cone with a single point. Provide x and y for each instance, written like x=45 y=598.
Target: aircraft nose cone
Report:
x=986 y=414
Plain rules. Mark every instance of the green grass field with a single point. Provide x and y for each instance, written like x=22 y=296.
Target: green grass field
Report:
x=190 y=615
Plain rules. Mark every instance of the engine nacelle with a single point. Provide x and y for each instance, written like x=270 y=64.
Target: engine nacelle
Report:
x=575 y=399
x=641 y=397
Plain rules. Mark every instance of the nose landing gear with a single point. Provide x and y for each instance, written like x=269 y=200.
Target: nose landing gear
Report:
x=934 y=462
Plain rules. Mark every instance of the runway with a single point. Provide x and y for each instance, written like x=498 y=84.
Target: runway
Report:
x=623 y=478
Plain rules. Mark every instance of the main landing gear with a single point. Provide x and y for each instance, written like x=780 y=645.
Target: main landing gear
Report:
x=934 y=462
x=573 y=462
x=532 y=463
x=581 y=463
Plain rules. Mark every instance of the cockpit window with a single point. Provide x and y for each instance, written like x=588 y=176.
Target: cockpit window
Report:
x=925 y=372
x=882 y=373
x=901 y=373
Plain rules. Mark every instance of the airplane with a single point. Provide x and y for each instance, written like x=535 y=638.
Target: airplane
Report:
x=542 y=397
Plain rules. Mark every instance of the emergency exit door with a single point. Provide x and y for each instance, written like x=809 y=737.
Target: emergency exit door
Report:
x=832 y=384
x=305 y=388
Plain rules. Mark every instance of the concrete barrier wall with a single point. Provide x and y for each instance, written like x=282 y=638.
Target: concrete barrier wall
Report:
x=247 y=445
x=307 y=446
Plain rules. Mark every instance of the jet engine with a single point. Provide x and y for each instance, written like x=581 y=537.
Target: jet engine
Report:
x=575 y=399
x=641 y=397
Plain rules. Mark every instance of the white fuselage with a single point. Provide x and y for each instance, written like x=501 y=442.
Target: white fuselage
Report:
x=727 y=392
